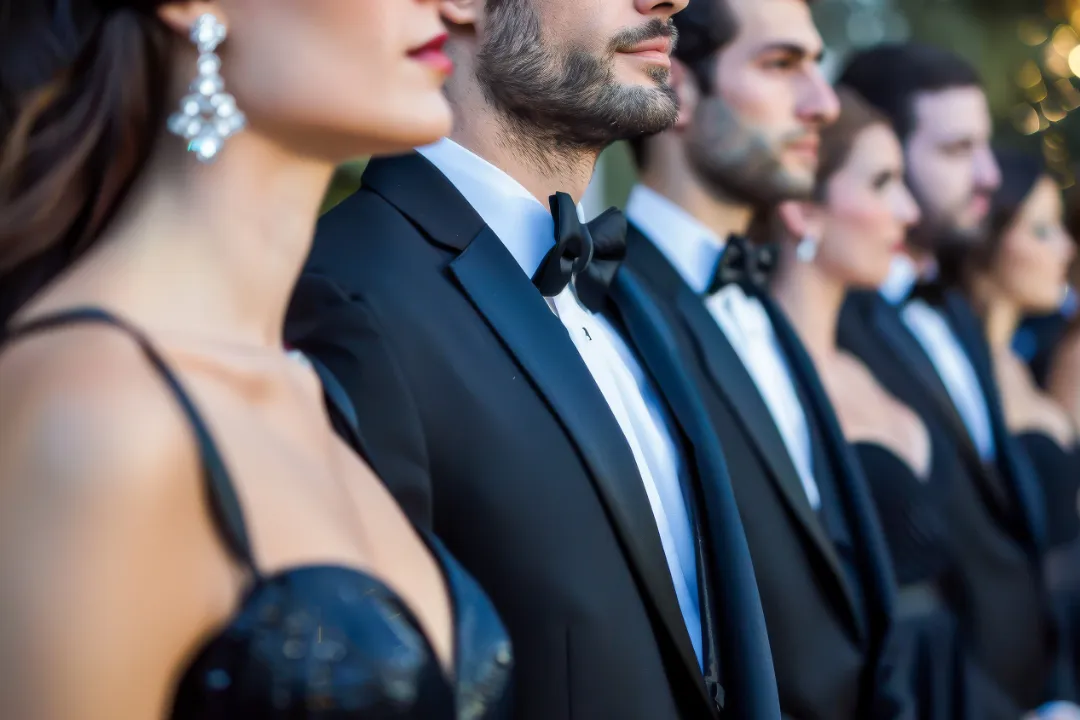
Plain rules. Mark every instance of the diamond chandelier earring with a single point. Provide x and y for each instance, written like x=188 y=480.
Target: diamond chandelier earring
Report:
x=208 y=115
x=807 y=248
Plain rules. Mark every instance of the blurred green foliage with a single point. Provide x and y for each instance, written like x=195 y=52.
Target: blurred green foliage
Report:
x=346 y=181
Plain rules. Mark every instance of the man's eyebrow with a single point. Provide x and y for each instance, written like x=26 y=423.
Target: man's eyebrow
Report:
x=792 y=48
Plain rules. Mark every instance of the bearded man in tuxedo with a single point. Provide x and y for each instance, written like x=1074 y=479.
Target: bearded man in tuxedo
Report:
x=519 y=395
x=753 y=102
x=924 y=343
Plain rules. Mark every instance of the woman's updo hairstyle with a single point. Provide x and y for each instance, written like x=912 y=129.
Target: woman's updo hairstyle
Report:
x=83 y=95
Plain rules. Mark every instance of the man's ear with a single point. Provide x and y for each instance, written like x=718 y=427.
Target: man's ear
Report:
x=686 y=90
x=180 y=17
x=801 y=218
x=462 y=12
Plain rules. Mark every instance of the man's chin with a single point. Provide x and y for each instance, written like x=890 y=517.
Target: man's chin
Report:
x=644 y=110
x=630 y=72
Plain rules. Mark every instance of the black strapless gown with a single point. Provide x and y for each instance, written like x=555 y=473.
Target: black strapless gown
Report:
x=324 y=642
x=928 y=649
x=1059 y=473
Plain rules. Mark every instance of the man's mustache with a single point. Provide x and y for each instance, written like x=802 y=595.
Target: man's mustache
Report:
x=797 y=136
x=627 y=40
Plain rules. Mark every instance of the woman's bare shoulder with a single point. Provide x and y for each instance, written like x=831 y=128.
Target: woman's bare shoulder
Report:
x=104 y=538
x=868 y=412
x=87 y=396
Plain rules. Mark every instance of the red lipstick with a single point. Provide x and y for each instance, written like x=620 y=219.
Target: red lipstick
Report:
x=431 y=54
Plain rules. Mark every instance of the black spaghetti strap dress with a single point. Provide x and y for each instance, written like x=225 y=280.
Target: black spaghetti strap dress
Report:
x=1059 y=476
x=927 y=642
x=322 y=642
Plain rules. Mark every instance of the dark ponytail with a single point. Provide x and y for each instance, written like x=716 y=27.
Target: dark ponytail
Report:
x=83 y=95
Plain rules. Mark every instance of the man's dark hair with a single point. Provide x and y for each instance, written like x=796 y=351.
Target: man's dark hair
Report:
x=890 y=77
x=704 y=27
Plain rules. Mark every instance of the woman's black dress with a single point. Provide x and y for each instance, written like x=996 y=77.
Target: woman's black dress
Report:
x=323 y=642
x=1059 y=473
x=913 y=516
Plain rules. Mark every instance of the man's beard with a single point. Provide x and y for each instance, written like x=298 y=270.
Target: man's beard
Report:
x=940 y=231
x=738 y=163
x=557 y=103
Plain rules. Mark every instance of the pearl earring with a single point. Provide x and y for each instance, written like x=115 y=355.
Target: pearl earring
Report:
x=807 y=249
x=208 y=115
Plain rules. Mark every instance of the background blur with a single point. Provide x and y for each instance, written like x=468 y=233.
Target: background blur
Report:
x=1028 y=52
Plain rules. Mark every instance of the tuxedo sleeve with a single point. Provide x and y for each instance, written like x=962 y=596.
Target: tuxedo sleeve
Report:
x=344 y=333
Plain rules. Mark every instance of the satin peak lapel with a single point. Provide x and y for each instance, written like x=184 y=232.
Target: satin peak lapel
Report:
x=734 y=383
x=742 y=636
x=516 y=311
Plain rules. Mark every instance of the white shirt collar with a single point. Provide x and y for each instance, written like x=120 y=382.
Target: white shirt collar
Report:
x=513 y=214
x=903 y=275
x=687 y=243
x=1070 y=306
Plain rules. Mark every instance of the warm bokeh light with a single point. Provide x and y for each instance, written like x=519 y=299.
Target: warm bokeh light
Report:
x=1074 y=61
x=1031 y=32
x=1064 y=40
x=1030 y=75
x=1026 y=119
x=1052 y=112
x=1070 y=96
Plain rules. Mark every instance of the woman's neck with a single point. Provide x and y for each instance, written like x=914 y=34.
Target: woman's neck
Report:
x=215 y=249
x=812 y=301
x=1001 y=318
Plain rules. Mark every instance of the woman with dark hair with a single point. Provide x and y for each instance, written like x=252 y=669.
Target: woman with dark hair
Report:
x=1063 y=377
x=1023 y=269
x=846 y=237
x=182 y=533
x=1063 y=382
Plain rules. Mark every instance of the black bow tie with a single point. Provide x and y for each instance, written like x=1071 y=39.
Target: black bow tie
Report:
x=589 y=253
x=932 y=292
x=744 y=264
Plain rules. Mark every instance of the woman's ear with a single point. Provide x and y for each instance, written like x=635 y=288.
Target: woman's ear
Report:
x=181 y=16
x=686 y=91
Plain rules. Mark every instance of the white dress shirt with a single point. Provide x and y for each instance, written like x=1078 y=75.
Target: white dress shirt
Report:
x=527 y=230
x=933 y=332
x=903 y=274
x=694 y=251
x=953 y=366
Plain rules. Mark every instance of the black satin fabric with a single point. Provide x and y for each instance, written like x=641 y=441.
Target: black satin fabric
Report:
x=322 y=642
x=336 y=644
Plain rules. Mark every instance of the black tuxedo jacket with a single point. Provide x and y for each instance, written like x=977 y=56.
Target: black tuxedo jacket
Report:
x=995 y=520
x=483 y=420
x=829 y=647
